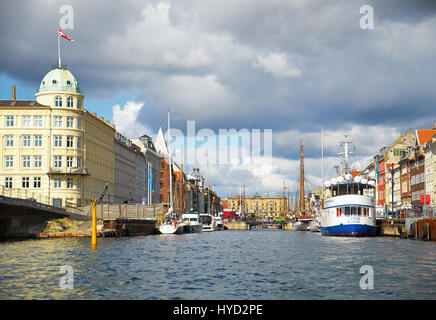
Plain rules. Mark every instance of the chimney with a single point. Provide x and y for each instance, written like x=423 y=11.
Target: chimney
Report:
x=434 y=127
x=13 y=93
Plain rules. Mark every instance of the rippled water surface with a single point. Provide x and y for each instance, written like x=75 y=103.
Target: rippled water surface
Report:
x=261 y=264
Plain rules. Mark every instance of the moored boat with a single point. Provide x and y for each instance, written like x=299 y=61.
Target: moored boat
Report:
x=191 y=222
x=349 y=209
x=206 y=222
x=217 y=223
x=314 y=225
x=299 y=226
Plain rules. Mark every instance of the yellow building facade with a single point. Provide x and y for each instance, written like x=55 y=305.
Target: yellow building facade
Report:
x=53 y=147
x=274 y=206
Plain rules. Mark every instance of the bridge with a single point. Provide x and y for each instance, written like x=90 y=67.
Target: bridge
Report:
x=25 y=214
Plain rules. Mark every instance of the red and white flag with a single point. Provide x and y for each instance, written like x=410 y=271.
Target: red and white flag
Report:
x=63 y=35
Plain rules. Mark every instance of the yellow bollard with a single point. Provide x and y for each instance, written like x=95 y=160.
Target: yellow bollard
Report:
x=94 y=226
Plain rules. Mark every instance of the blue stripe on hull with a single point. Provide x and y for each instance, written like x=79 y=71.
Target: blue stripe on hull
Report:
x=349 y=230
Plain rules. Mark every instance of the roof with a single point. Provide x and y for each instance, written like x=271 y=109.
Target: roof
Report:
x=160 y=144
x=424 y=135
x=59 y=79
x=20 y=103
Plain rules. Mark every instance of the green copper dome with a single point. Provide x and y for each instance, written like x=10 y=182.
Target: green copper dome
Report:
x=59 y=79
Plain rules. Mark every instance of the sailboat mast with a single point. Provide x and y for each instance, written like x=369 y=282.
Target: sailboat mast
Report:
x=302 y=204
x=322 y=168
x=181 y=185
x=169 y=160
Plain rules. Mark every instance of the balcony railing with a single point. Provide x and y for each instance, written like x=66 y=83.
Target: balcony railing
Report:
x=74 y=170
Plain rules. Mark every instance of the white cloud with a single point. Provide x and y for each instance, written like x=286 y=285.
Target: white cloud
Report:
x=278 y=64
x=126 y=119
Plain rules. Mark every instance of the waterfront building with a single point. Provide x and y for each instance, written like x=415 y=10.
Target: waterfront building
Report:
x=178 y=178
x=151 y=161
x=196 y=194
x=125 y=169
x=397 y=186
x=212 y=202
x=267 y=206
x=430 y=170
x=53 y=146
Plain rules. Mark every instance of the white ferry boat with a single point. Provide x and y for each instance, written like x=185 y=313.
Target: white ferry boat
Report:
x=349 y=209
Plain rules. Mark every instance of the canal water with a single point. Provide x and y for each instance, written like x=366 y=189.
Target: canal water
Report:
x=258 y=264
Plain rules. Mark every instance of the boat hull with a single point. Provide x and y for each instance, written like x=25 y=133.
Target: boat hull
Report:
x=338 y=219
x=170 y=229
x=299 y=226
x=192 y=228
x=208 y=228
x=353 y=230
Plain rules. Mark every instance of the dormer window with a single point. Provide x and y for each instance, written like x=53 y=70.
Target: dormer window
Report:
x=54 y=81
x=69 y=102
x=68 y=83
x=58 y=101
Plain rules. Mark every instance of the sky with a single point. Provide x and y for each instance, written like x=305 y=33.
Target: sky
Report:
x=292 y=67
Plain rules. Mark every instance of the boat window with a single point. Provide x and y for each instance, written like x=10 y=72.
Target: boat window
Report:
x=353 y=211
x=347 y=211
x=192 y=219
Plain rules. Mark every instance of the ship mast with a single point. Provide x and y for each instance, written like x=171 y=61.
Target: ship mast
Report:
x=346 y=143
x=302 y=203
x=170 y=162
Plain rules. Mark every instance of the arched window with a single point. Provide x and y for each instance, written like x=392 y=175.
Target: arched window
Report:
x=78 y=103
x=58 y=101
x=69 y=102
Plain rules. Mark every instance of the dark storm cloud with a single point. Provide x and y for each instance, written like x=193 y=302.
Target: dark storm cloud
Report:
x=205 y=60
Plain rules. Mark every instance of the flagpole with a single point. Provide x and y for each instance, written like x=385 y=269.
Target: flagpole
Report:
x=59 y=50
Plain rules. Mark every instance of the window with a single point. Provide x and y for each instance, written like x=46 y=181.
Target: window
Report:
x=37 y=182
x=79 y=123
x=26 y=141
x=25 y=182
x=57 y=182
x=354 y=211
x=69 y=162
x=69 y=142
x=37 y=161
x=9 y=141
x=58 y=101
x=38 y=141
x=8 y=182
x=37 y=121
x=58 y=141
x=9 y=162
x=69 y=102
x=26 y=121
x=57 y=161
x=69 y=183
x=78 y=142
x=78 y=183
x=9 y=121
x=70 y=122
x=79 y=105
x=78 y=162
x=58 y=122
x=26 y=161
